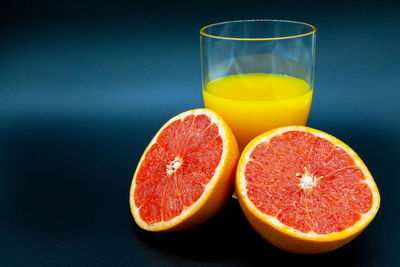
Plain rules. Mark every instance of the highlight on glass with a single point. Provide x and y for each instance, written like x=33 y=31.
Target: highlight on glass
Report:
x=258 y=74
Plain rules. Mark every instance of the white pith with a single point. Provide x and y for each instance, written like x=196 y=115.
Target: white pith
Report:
x=174 y=165
x=307 y=181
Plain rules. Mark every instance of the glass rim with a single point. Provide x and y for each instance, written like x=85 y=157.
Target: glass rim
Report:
x=313 y=30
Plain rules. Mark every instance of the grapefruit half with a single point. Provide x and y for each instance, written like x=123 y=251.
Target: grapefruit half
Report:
x=185 y=175
x=305 y=191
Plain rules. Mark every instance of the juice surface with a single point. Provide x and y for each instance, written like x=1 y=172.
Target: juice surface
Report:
x=256 y=102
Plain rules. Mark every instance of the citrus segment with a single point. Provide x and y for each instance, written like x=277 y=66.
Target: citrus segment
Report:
x=185 y=174
x=297 y=185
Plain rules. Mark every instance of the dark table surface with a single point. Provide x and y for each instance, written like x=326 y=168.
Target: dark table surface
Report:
x=85 y=86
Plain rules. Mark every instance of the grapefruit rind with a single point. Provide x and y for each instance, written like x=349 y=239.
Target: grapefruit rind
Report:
x=286 y=237
x=216 y=191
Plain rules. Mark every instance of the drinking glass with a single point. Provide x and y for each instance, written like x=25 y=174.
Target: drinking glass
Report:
x=258 y=74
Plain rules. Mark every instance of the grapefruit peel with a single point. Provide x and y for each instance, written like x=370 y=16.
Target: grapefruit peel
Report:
x=216 y=193
x=286 y=237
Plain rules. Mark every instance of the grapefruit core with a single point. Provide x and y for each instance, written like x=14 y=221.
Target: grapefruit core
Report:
x=304 y=190
x=185 y=175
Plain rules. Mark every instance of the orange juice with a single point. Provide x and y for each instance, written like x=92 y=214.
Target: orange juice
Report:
x=254 y=103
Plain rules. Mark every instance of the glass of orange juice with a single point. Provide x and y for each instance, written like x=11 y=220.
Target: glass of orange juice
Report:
x=258 y=74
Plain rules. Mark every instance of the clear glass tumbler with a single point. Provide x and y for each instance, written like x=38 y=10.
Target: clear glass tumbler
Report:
x=258 y=74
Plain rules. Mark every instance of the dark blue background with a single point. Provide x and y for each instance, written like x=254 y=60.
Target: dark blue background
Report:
x=85 y=86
